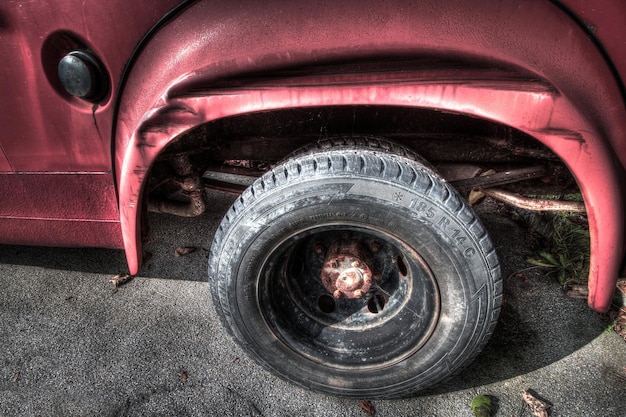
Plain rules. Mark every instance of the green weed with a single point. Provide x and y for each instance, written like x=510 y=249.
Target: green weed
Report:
x=566 y=254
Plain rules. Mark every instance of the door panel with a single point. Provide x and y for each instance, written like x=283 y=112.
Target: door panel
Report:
x=43 y=127
x=4 y=162
x=56 y=176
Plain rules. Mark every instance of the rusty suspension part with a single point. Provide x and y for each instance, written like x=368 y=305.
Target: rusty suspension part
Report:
x=233 y=180
x=229 y=179
x=534 y=204
x=192 y=187
x=193 y=190
x=486 y=182
x=499 y=178
x=347 y=270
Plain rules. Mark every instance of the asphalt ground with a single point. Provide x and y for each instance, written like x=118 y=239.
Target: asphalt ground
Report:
x=73 y=345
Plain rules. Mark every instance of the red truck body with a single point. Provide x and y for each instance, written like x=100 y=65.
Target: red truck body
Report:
x=74 y=170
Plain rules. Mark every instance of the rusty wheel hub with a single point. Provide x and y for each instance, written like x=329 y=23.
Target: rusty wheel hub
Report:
x=349 y=296
x=347 y=272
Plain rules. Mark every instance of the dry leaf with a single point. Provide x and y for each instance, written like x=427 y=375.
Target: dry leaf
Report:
x=577 y=291
x=475 y=196
x=183 y=377
x=368 y=407
x=16 y=377
x=538 y=407
x=184 y=251
x=121 y=279
x=619 y=322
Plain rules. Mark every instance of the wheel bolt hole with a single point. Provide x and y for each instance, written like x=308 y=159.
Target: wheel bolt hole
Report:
x=402 y=269
x=326 y=303
x=376 y=304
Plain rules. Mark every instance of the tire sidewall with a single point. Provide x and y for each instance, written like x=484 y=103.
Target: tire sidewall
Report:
x=435 y=222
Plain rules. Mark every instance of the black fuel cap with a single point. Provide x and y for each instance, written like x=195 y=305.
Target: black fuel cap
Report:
x=83 y=76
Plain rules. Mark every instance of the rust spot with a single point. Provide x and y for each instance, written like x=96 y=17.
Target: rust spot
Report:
x=347 y=271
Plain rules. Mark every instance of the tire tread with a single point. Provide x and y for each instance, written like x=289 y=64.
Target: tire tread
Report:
x=374 y=157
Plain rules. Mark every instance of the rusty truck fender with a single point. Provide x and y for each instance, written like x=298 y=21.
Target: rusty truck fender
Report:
x=562 y=92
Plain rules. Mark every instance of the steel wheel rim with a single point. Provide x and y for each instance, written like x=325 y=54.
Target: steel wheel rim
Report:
x=391 y=322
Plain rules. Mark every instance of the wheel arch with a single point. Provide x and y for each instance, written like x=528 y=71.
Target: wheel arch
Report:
x=196 y=69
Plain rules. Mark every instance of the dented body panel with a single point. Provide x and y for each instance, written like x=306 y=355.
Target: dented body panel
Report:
x=552 y=70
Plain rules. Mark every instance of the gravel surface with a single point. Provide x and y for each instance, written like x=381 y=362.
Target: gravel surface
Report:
x=73 y=345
